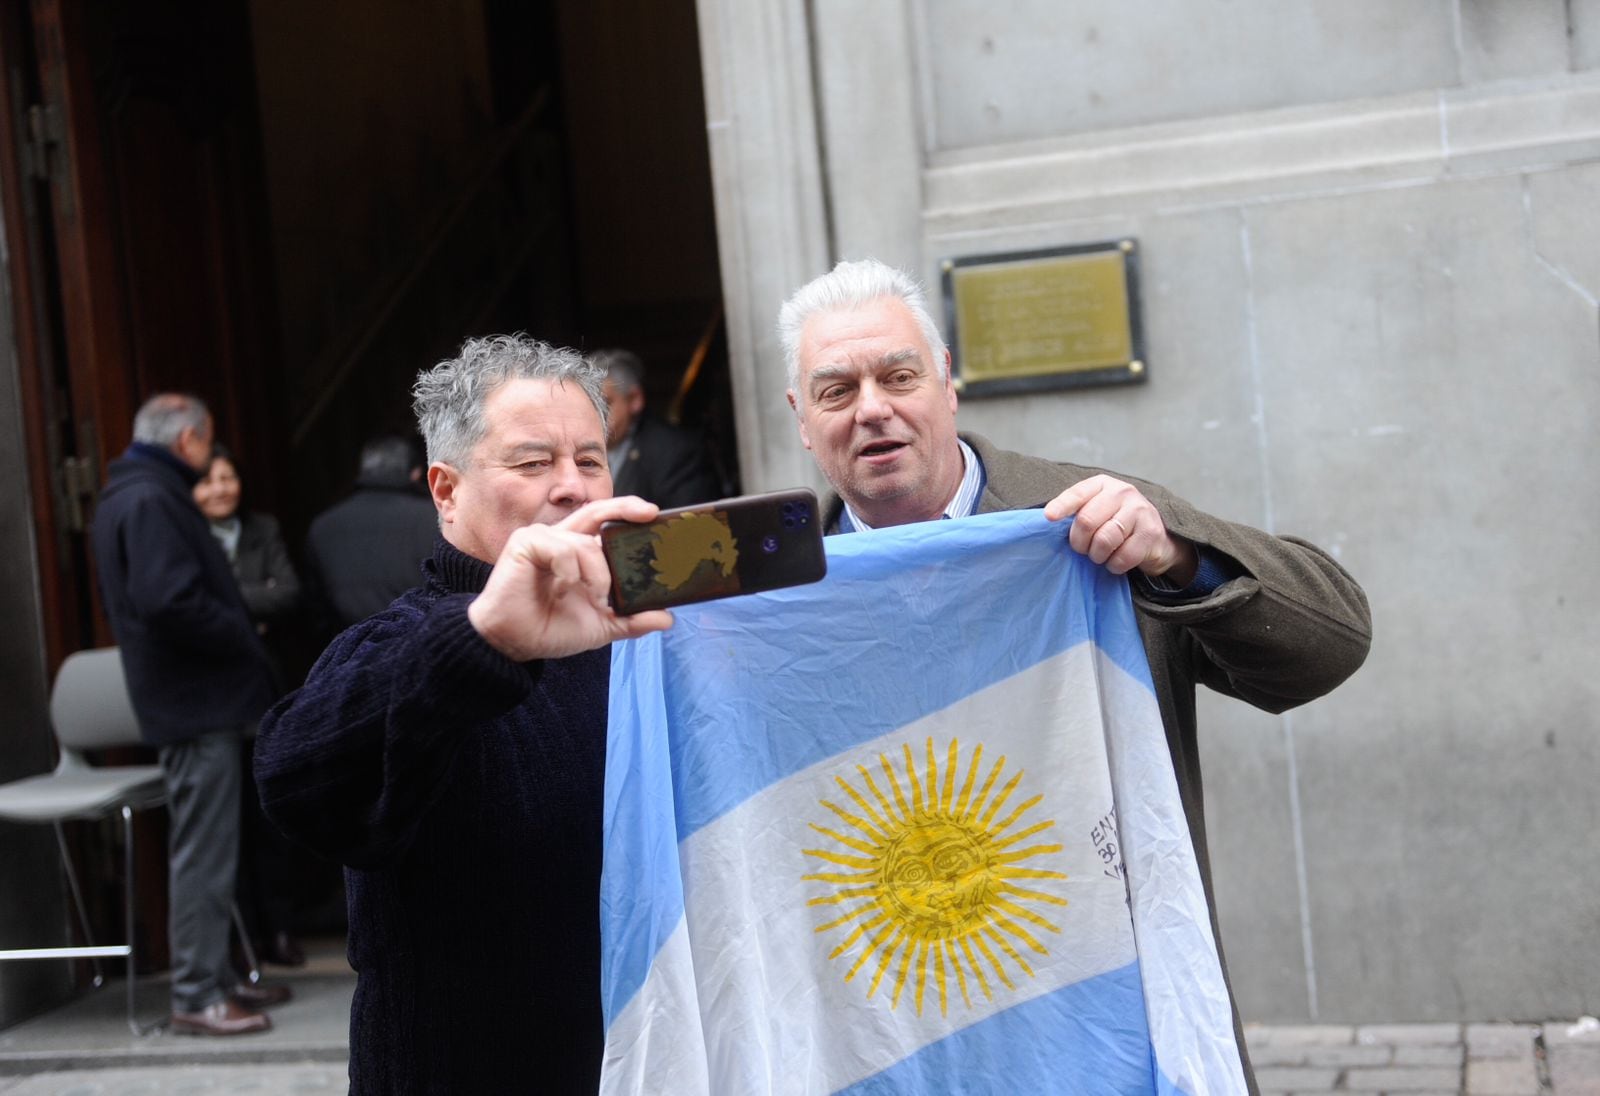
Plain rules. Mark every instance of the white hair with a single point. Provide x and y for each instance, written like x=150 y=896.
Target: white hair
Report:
x=448 y=399
x=166 y=415
x=853 y=285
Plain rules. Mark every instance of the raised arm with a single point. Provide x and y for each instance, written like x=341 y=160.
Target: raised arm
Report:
x=349 y=763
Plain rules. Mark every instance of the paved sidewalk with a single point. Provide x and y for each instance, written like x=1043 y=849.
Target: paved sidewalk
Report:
x=1550 y=1059
x=1558 y=1059
x=187 y=1080
x=85 y=1049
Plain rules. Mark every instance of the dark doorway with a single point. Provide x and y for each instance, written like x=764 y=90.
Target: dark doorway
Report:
x=290 y=207
x=481 y=167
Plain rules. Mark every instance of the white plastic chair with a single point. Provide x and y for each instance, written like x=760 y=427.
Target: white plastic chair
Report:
x=90 y=710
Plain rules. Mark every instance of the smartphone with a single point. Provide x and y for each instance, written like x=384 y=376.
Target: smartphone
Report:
x=699 y=553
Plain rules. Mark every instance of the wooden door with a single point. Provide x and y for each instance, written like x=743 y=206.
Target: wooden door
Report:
x=132 y=198
x=131 y=185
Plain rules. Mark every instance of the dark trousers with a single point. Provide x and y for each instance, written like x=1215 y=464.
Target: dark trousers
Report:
x=202 y=778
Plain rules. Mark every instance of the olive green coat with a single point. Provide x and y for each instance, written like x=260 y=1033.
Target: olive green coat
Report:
x=1288 y=630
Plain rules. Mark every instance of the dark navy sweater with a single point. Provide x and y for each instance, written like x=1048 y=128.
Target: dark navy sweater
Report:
x=463 y=793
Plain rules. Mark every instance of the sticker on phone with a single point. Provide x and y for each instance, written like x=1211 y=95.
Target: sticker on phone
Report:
x=700 y=553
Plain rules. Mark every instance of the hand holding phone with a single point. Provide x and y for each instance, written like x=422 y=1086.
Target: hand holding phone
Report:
x=719 y=549
x=545 y=597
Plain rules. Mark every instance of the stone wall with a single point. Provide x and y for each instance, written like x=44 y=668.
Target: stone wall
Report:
x=1370 y=246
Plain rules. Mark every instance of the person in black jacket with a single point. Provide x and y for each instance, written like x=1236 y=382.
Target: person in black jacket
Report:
x=253 y=543
x=199 y=679
x=271 y=590
x=648 y=457
x=366 y=551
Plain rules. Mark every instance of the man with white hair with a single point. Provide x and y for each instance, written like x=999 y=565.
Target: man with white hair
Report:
x=1271 y=620
x=199 y=679
x=450 y=750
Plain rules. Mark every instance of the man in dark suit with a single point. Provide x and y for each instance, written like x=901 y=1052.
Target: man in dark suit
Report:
x=366 y=551
x=199 y=680
x=648 y=457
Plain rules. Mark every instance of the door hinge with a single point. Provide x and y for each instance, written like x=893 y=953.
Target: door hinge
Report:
x=78 y=488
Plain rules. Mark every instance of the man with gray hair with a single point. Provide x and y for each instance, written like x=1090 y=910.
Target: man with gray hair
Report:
x=649 y=457
x=450 y=751
x=1273 y=621
x=199 y=679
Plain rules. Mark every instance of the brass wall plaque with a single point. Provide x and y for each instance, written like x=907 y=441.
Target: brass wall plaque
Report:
x=1045 y=319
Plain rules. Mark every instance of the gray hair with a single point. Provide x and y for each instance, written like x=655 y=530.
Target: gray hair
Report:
x=166 y=415
x=448 y=399
x=853 y=285
x=622 y=367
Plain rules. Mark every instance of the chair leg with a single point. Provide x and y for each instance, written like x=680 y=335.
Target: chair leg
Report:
x=254 y=975
x=77 y=903
x=127 y=908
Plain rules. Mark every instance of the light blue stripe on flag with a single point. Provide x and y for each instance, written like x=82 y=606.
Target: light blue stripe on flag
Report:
x=641 y=891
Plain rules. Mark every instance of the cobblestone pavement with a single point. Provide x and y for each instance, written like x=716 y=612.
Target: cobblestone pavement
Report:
x=1551 y=1059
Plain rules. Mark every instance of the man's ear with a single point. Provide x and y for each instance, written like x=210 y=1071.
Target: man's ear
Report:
x=800 y=420
x=949 y=382
x=187 y=441
x=442 y=480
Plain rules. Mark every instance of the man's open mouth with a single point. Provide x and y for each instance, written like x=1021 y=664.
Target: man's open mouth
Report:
x=880 y=448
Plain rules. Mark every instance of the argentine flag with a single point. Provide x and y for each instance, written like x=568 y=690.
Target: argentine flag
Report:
x=911 y=829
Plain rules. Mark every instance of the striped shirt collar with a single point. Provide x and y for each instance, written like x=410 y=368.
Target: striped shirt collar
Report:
x=963 y=504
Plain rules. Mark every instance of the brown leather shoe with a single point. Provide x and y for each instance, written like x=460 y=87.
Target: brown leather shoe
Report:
x=224 y=1017
x=259 y=997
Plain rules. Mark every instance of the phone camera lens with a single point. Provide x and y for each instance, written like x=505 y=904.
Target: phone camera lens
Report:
x=769 y=544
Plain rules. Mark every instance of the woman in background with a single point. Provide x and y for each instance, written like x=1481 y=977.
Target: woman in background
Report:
x=254 y=546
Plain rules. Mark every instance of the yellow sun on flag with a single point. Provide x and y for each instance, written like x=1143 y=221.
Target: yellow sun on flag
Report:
x=928 y=879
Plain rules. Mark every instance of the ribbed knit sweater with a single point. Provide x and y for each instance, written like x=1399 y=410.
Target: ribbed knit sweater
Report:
x=463 y=793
